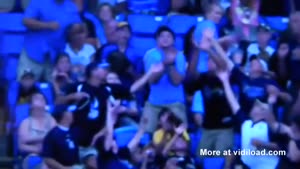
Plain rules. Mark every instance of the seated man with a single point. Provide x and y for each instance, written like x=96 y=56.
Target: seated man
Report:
x=59 y=148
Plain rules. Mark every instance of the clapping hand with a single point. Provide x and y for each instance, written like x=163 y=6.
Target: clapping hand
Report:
x=156 y=68
x=206 y=41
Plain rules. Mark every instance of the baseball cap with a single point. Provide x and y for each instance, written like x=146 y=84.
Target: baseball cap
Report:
x=28 y=73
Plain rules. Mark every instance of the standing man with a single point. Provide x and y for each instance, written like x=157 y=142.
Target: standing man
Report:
x=45 y=21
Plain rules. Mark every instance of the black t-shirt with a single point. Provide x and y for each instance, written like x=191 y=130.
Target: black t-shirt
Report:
x=25 y=94
x=217 y=110
x=90 y=116
x=251 y=88
x=61 y=146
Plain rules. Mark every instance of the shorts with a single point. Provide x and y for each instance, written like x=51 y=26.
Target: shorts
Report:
x=217 y=139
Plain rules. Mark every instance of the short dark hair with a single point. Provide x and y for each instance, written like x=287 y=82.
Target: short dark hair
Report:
x=162 y=29
x=60 y=56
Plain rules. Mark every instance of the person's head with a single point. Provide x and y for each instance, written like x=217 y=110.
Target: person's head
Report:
x=259 y=110
x=105 y=12
x=113 y=78
x=257 y=66
x=124 y=32
x=295 y=124
x=119 y=62
x=96 y=73
x=63 y=63
x=76 y=34
x=213 y=11
x=64 y=115
x=27 y=80
x=189 y=42
x=176 y=5
x=264 y=34
x=165 y=37
x=295 y=23
x=38 y=105
x=112 y=31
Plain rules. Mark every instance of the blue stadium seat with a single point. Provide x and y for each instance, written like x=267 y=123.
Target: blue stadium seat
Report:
x=142 y=6
x=142 y=44
x=13 y=22
x=213 y=163
x=179 y=43
x=145 y=24
x=11 y=67
x=47 y=90
x=124 y=135
x=32 y=161
x=180 y=24
x=276 y=23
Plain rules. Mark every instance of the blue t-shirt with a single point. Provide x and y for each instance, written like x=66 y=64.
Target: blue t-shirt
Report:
x=164 y=92
x=60 y=146
x=39 y=42
x=198 y=33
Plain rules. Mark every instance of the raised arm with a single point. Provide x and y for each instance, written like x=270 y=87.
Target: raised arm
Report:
x=233 y=102
x=138 y=136
x=137 y=85
x=178 y=132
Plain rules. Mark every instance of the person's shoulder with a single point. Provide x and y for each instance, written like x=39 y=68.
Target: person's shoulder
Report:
x=152 y=51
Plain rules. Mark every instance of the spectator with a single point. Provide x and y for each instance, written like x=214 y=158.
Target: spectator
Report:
x=262 y=48
x=79 y=51
x=238 y=58
x=110 y=154
x=217 y=132
x=292 y=32
x=167 y=124
x=181 y=7
x=213 y=15
x=27 y=87
x=128 y=104
x=279 y=63
x=106 y=16
x=292 y=146
x=45 y=36
x=168 y=80
x=255 y=132
x=120 y=64
x=124 y=33
x=33 y=129
x=245 y=18
x=61 y=74
x=59 y=147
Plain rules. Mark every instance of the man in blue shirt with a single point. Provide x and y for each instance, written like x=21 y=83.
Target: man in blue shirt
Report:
x=46 y=21
x=166 y=89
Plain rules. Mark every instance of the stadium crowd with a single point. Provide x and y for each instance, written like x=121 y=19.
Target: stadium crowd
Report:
x=228 y=81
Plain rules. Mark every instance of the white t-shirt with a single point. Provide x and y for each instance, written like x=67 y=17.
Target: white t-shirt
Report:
x=82 y=57
x=258 y=131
